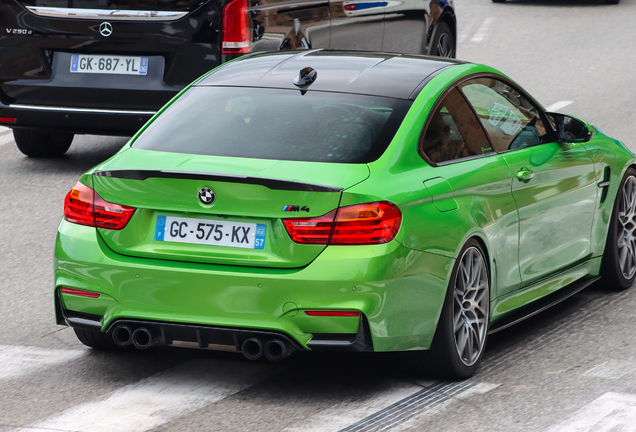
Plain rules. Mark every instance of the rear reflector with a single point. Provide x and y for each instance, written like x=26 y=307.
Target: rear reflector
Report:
x=7 y=120
x=84 y=206
x=333 y=313
x=236 y=29
x=360 y=224
x=79 y=293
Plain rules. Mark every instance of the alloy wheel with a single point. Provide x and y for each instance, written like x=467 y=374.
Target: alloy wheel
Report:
x=445 y=46
x=626 y=240
x=470 y=306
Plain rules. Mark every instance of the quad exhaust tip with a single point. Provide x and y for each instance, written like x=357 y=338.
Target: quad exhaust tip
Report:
x=252 y=348
x=142 y=338
x=274 y=349
x=122 y=335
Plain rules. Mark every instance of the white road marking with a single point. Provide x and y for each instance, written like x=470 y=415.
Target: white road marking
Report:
x=555 y=107
x=610 y=412
x=6 y=135
x=19 y=360
x=482 y=30
x=158 y=399
x=345 y=415
x=612 y=369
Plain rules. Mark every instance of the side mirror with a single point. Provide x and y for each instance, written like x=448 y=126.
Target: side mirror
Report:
x=569 y=129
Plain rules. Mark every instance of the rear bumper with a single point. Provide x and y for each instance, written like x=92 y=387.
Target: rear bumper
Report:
x=168 y=333
x=398 y=291
x=75 y=120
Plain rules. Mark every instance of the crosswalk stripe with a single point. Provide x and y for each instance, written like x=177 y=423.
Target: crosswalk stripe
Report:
x=610 y=412
x=390 y=408
x=20 y=360
x=159 y=399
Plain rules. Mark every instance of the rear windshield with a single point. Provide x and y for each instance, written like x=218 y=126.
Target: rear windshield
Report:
x=276 y=124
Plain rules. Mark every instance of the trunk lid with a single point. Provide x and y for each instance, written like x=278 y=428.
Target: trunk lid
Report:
x=252 y=196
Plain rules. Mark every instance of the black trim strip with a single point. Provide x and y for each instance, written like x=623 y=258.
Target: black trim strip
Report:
x=274 y=184
x=542 y=304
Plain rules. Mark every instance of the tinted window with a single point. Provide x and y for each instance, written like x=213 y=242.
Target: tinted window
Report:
x=510 y=119
x=276 y=124
x=453 y=132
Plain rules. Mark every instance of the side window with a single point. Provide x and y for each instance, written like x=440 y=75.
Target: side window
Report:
x=453 y=132
x=510 y=119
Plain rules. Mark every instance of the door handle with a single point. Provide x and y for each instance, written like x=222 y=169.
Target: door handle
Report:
x=525 y=175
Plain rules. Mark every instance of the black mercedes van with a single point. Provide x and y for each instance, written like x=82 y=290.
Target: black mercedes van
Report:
x=106 y=66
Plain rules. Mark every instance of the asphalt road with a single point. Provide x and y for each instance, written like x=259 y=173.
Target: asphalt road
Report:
x=572 y=368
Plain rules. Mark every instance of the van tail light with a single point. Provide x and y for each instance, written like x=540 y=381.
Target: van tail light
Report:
x=84 y=206
x=360 y=224
x=236 y=28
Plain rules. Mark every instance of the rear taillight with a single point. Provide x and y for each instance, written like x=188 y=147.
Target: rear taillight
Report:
x=84 y=206
x=360 y=224
x=236 y=29
x=371 y=223
x=310 y=230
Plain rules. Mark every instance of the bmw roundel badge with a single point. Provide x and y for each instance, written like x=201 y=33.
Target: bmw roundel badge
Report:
x=206 y=196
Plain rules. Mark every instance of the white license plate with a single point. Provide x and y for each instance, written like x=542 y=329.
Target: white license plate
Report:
x=109 y=64
x=210 y=232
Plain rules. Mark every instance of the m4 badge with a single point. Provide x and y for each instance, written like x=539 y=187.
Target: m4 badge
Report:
x=296 y=208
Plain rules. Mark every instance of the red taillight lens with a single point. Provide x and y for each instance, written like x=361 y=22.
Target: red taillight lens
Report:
x=360 y=224
x=84 y=206
x=78 y=205
x=350 y=7
x=310 y=230
x=236 y=29
x=371 y=223
x=7 y=120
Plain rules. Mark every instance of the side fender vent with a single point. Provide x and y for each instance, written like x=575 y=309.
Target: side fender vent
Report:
x=604 y=185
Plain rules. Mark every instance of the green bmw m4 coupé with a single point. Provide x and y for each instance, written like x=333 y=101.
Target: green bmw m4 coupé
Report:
x=324 y=200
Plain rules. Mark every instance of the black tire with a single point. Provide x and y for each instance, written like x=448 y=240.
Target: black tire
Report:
x=612 y=1
x=613 y=273
x=443 y=44
x=498 y=1
x=37 y=144
x=96 y=339
x=443 y=359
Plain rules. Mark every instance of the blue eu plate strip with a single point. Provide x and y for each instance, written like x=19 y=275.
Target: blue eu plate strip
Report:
x=259 y=241
x=74 y=62
x=143 y=67
x=161 y=227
